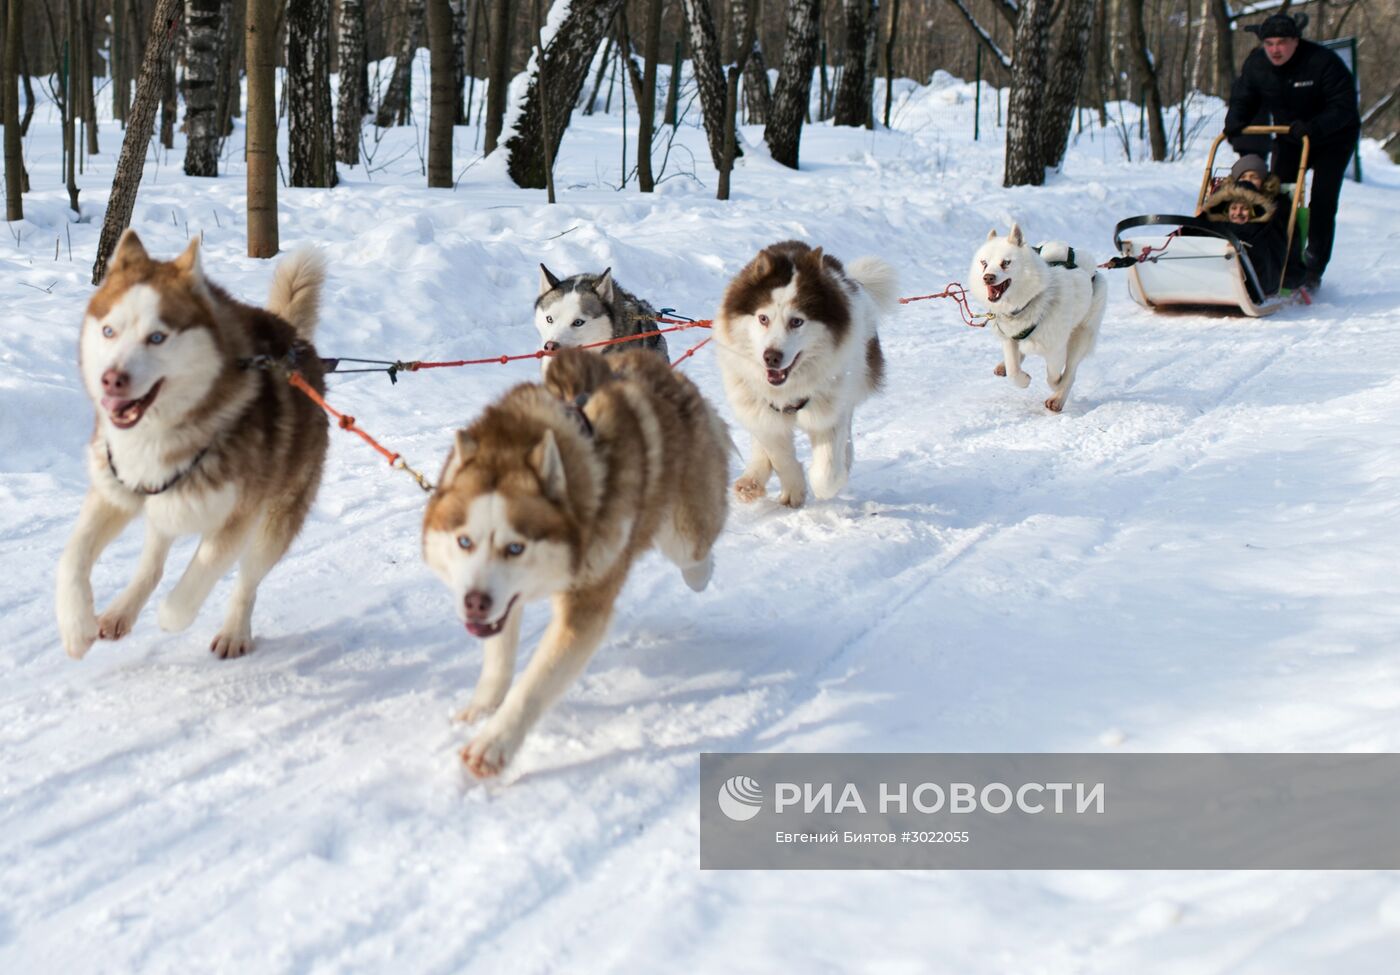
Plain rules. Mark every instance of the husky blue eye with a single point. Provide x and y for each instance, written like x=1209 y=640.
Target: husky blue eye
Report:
x=549 y=319
x=577 y=323
x=108 y=331
x=514 y=549
x=794 y=323
x=156 y=338
x=464 y=543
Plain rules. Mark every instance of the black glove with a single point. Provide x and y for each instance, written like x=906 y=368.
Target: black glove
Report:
x=1299 y=129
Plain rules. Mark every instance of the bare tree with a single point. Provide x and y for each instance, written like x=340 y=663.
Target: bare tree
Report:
x=743 y=46
x=709 y=76
x=310 y=132
x=261 y=46
x=70 y=108
x=757 y=93
x=442 y=114
x=89 y=100
x=783 y=133
x=646 y=106
x=1147 y=75
x=349 y=116
x=202 y=21
x=852 y=100
x=891 y=32
x=545 y=113
x=140 y=124
x=1066 y=75
x=1224 y=47
x=395 y=104
x=14 y=158
x=498 y=71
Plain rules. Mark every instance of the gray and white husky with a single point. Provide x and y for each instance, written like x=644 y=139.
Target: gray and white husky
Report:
x=588 y=308
x=1046 y=301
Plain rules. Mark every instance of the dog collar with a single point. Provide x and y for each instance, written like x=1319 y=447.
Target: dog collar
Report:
x=791 y=408
x=1026 y=333
x=174 y=480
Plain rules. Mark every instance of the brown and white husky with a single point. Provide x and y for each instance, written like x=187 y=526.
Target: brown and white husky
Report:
x=553 y=493
x=191 y=437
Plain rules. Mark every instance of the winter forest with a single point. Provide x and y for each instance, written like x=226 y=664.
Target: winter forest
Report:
x=1195 y=555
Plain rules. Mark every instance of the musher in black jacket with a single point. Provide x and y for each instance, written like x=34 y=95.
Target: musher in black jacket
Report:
x=1308 y=88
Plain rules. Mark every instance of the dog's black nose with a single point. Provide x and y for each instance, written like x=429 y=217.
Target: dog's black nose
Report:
x=989 y=278
x=115 y=382
x=478 y=604
x=551 y=346
x=772 y=358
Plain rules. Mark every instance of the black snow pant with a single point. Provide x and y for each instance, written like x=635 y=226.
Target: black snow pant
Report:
x=1329 y=166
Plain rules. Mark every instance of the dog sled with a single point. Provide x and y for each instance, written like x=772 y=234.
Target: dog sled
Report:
x=1210 y=266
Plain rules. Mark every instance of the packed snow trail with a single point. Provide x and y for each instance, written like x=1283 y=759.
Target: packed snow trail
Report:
x=1197 y=555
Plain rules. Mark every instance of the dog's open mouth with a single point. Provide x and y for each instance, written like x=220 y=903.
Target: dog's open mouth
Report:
x=776 y=377
x=995 y=291
x=126 y=413
x=487 y=628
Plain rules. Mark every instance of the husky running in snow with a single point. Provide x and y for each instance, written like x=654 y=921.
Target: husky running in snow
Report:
x=553 y=492
x=798 y=333
x=589 y=308
x=191 y=438
x=1047 y=300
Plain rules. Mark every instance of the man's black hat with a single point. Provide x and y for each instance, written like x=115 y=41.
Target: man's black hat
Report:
x=1280 y=25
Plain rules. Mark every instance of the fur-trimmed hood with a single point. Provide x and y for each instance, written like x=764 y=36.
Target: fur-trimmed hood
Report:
x=1263 y=202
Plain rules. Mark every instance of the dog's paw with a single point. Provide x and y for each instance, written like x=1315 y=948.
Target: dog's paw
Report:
x=489 y=752
x=115 y=623
x=794 y=497
x=174 y=616
x=1022 y=379
x=749 y=490
x=1000 y=370
x=1055 y=404
x=232 y=643
x=78 y=631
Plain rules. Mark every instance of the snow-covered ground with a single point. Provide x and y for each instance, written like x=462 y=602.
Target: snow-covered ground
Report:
x=1198 y=555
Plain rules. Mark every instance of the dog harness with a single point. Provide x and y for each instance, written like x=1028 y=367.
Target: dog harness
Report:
x=1068 y=262
x=791 y=408
x=174 y=480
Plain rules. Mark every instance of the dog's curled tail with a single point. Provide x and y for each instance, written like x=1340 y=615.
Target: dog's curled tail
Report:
x=879 y=280
x=296 y=289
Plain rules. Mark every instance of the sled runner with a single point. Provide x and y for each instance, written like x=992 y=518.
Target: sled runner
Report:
x=1210 y=265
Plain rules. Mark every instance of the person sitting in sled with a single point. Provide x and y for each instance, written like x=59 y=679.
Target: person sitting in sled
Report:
x=1250 y=203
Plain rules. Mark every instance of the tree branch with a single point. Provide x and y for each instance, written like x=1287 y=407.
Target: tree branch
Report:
x=981 y=32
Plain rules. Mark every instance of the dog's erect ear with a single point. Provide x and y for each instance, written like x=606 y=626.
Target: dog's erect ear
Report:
x=549 y=466
x=548 y=281
x=603 y=287
x=815 y=258
x=992 y=234
x=188 y=261
x=463 y=450
x=1017 y=238
x=761 y=266
x=129 y=251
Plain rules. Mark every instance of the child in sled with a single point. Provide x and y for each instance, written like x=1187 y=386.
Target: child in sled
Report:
x=1250 y=204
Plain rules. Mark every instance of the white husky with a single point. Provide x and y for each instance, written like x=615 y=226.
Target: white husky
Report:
x=1047 y=300
x=798 y=333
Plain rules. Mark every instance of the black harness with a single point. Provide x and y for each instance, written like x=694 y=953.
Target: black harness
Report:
x=791 y=408
x=175 y=479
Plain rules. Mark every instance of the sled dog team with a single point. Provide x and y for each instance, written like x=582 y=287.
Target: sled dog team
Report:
x=553 y=491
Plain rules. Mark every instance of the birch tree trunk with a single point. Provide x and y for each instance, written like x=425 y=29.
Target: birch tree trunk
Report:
x=442 y=112
x=140 y=123
x=349 y=116
x=1066 y=75
x=1024 y=163
x=394 y=105
x=14 y=155
x=709 y=75
x=565 y=65
x=498 y=71
x=310 y=132
x=202 y=20
x=783 y=133
x=231 y=38
x=261 y=46
x=1147 y=72
x=757 y=93
x=852 y=105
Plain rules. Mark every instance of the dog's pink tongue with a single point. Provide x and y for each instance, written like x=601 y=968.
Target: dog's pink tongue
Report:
x=776 y=376
x=114 y=404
